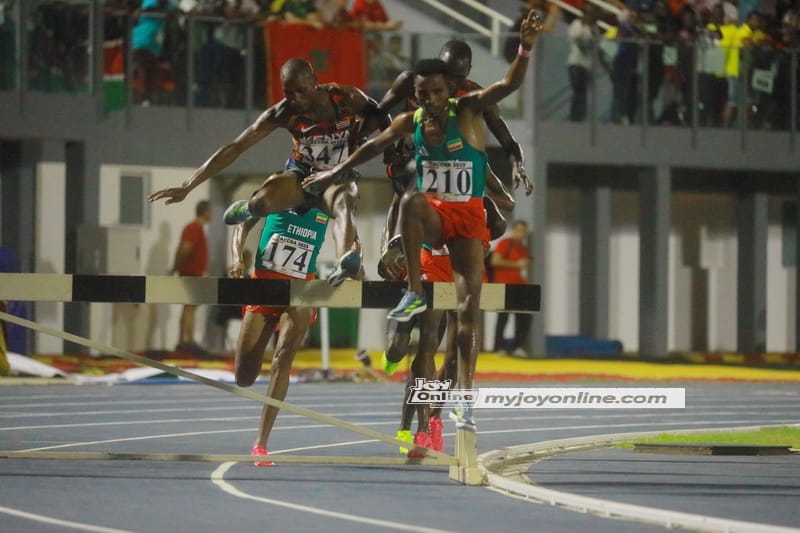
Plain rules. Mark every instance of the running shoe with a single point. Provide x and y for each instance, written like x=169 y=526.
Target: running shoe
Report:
x=462 y=416
x=405 y=436
x=393 y=252
x=237 y=213
x=261 y=451
x=411 y=304
x=346 y=267
x=420 y=439
x=389 y=367
x=435 y=431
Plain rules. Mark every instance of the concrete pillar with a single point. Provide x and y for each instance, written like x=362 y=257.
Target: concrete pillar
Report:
x=654 y=224
x=82 y=207
x=18 y=160
x=595 y=225
x=797 y=269
x=536 y=212
x=752 y=225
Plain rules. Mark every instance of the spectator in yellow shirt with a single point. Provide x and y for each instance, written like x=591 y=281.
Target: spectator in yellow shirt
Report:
x=733 y=40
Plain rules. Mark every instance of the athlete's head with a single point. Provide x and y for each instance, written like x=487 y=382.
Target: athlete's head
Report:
x=430 y=86
x=458 y=56
x=298 y=81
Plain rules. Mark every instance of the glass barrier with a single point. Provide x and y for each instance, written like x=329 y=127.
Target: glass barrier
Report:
x=59 y=44
x=8 y=46
x=680 y=84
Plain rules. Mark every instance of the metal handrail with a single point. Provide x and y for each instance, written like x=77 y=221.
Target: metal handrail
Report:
x=494 y=33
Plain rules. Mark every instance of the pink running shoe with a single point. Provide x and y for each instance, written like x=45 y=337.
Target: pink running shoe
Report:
x=261 y=450
x=435 y=430
x=420 y=439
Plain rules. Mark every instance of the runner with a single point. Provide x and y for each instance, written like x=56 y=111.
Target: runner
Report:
x=325 y=122
x=451 y=175
x=288 y=248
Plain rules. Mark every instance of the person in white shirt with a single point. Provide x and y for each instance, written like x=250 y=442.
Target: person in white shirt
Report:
x=581 y=34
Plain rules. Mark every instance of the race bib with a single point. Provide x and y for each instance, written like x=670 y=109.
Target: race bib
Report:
x=288 y=256
x=450 y=181
x=323 y=155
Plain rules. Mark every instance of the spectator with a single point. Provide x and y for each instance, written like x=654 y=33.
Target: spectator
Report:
x=191 y=259
x=734 y=40
x=582 y=34
x=147 y=42
x=712 y=85
x=333 y=13
x=295 y=11
x=371 y=15
x=623 y=73
x=510 y=261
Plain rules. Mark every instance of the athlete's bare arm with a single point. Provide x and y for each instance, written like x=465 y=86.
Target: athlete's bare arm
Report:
x=501 y=132
x=402 y=88
x=270 y=120
x=479 y=100
x=402 y=125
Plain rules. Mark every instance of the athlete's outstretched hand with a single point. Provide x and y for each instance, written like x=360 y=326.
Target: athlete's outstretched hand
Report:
x=319 y=181
x=520 y=177
x=172 y=194
x=530 y=28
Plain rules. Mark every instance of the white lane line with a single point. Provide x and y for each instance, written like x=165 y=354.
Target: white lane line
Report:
x=594 y=416
x=243 y=405
x=382 y=423
x=217 y=477
x=523 y=486
x=58 y=522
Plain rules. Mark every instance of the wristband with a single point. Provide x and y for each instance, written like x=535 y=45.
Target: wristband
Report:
x=522 y=52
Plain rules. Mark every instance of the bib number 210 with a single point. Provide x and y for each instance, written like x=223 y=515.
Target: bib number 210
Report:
x=447 y=180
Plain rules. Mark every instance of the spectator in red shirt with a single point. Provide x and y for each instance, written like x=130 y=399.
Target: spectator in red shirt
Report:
x=191 y=259
x=372 y=16
x=509 y=261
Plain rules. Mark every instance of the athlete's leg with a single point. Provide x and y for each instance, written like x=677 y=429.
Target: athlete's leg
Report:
x=280 y=191
x=339 y=201
x=254 y=334
x=424 y=365
x=419 y=223
x=495 y=220
x=449 y=368
x=187 y=324
x=466 y=256
x=294 y=325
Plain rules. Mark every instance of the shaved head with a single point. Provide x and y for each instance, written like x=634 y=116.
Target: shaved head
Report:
x=458 y=56
x=295 y=68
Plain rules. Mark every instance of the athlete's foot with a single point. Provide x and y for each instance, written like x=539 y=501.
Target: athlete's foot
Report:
x=348 y=266
x=237 y=213
x=462 y=416
x=420 y=439
x=435 y=431
x=393 y=252
x=411 y=304
x=405 y=436
x=389 y=367
x=261 y=451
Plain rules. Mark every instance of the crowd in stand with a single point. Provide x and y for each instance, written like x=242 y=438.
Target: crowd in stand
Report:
x=668 y=61
x=739 y=50
x=158 y=31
